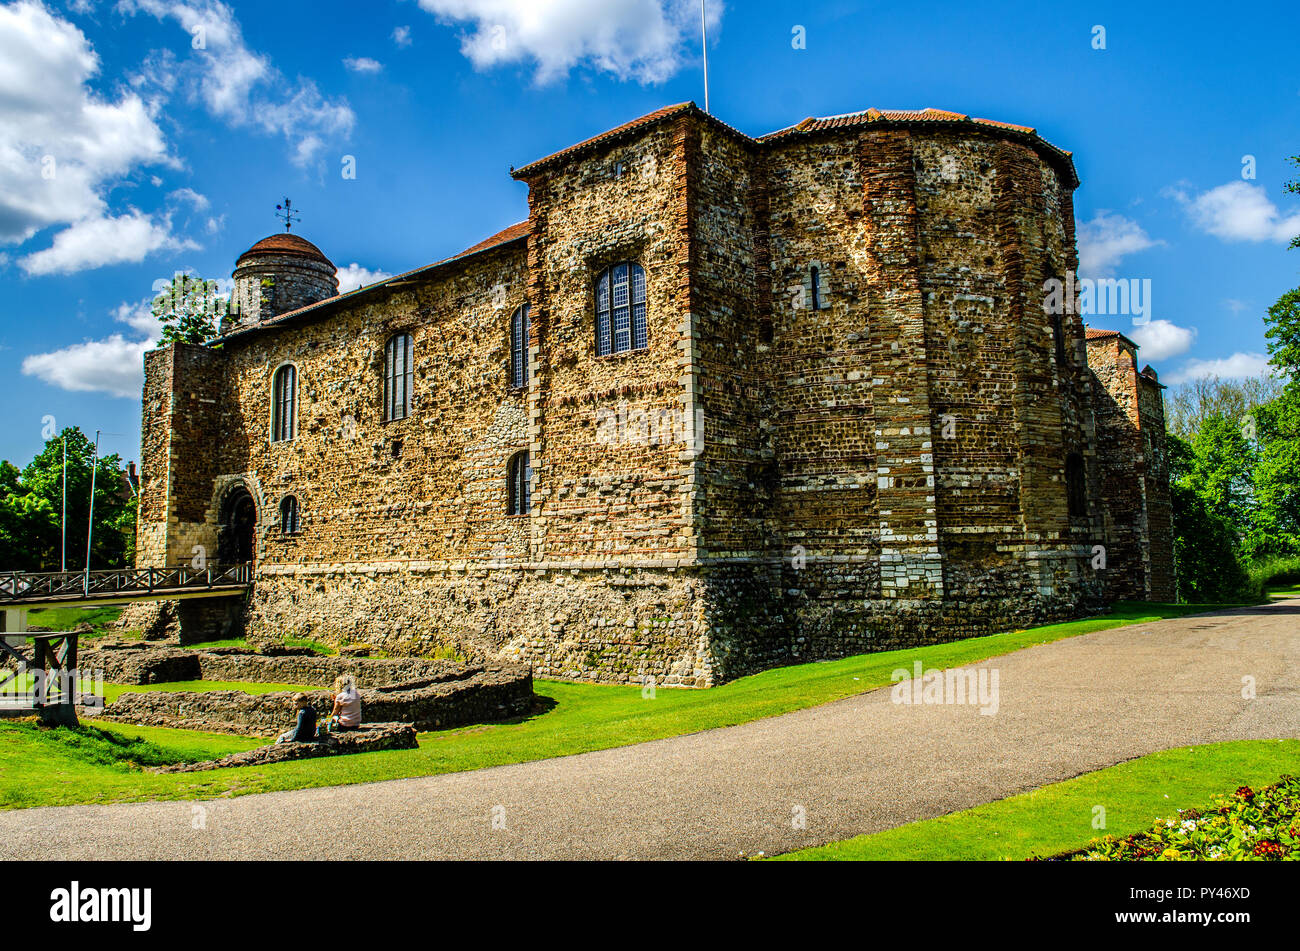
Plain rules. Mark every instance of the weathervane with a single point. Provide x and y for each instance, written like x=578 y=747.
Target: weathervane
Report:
x=286 y=213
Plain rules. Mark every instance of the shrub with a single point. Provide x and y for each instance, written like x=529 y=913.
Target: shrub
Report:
x=1275 y=572
x=1249 y=825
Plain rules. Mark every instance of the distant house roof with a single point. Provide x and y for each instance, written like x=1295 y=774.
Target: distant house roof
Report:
x=285 y=243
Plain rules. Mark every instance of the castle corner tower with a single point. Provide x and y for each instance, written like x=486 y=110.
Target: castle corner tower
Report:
x=278 y=274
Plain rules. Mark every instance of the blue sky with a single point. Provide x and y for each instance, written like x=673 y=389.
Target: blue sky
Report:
x=142 y=137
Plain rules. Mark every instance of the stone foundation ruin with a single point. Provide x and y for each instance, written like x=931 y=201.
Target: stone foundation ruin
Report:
x=428 y=694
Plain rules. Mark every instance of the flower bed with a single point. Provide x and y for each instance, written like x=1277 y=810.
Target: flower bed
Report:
x=1249 y=825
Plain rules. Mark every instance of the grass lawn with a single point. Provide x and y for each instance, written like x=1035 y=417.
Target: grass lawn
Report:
x=113 y=691
x=316 y=646
x=65 y=619
x=571 y=718
x=1059 y=817
x=1284 y=592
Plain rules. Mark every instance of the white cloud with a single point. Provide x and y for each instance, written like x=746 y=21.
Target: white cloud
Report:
x=61 y=144
x=645 y=40
x=363 y=64
x=1106 y=240
x=1236 y=367
x=402 y=36
x=200 y=202
x=237 y=84
x=96 y=242
x=113 y=365
x=1160 y=339
x=354 y=276
x=1238 y=211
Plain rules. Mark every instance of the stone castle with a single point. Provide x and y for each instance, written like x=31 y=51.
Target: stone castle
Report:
x=719 y=403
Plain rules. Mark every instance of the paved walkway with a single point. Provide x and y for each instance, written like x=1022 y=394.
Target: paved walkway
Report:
x=853 y=766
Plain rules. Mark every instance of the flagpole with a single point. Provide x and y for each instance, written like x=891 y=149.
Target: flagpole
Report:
x=63 y=542
x=90 y=527
x=704 y=33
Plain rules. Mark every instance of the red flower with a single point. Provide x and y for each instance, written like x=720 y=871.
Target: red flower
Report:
x=1270 y=850
x=1245 y=792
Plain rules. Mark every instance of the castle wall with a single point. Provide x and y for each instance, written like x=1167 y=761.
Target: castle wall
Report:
x=820 y=389
x=181 y=432
x=764 y=482
x=1155 y=479
x=1113 y=362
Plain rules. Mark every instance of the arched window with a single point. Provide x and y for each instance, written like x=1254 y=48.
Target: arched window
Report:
x=620 y=309
x=1076 y=486
x=816 y=281
x=520 y=476
x=288 y=515
x=519 y=348
x=399 y=375
x=284 y=403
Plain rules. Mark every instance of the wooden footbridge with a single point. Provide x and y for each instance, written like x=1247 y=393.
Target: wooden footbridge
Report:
x=54 y=656
x=21 y=591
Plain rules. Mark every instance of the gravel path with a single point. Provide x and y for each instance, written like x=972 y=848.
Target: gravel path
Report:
x=857 y=765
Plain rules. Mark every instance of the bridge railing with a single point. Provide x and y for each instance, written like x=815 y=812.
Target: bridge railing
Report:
x=25 y=586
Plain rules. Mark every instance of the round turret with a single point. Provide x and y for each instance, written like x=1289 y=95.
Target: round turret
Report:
x=278 y=274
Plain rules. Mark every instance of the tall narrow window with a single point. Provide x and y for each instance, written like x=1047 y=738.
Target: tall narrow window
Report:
x=1076 y=486
x=288 y=515
x=620 y=309
x=399 y=377
x=518 y=489
x=284 y=403
x=519 y=348
x=816 y=288
x=1058 y=336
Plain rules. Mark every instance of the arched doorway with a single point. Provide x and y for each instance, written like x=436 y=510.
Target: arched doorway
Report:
x=237 y=540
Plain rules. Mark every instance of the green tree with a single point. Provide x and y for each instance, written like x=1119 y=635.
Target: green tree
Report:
x=1275 y=524
x=1222 y=468
x=31 y=507
x=1189 y=405
x=1276 y=481
x=1205 y=539
x=1282 y=327
x=1293 y=187
x=190 y=310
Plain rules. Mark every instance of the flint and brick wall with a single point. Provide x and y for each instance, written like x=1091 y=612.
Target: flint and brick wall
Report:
x=886 y=469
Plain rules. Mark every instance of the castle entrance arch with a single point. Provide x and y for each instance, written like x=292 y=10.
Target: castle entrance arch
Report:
x=237 y=539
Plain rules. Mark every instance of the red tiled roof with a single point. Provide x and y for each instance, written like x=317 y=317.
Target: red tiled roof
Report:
x=648 y=119
x=505 y=236
x=290 y=243
x=515 y=232
x=814 y=124
x=285 y=243
x=1098 y=333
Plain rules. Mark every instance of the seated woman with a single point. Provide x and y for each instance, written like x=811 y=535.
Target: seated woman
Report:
x=346 y=714
x=304 y=731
